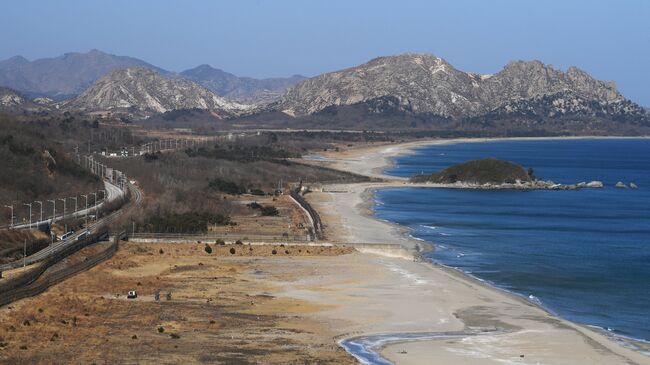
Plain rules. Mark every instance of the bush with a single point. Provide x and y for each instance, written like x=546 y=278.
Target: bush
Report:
x=174 y=336
x=220 y=242
x=232 y=250
x=270 y=210
x=161 y=329
x=208 y=249
x=254 y=205
x=239 y=242
x=274 y=252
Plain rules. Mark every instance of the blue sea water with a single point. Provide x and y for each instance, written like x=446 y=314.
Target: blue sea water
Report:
x=584 y=255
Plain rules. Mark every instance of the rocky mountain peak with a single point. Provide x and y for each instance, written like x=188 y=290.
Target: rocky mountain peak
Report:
x=428 y=84
x=142 y=92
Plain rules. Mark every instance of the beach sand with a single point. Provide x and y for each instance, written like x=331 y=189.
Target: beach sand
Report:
x=374 y=294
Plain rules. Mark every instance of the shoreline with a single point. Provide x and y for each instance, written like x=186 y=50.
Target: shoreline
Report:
x=375 y=159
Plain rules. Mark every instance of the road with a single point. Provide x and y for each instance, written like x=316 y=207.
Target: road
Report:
x=112 y=192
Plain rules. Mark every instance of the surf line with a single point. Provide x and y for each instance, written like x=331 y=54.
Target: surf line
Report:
x=363 y=348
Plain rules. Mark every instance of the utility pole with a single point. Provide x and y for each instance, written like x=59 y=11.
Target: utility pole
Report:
x=41 y=205
x=53 y=210
x=12 y=215
x=30 y=214
x=95 y=195
x=104 y=200
x=75 y=204
x=65 y=224
x=25 y=253
x=86 y=210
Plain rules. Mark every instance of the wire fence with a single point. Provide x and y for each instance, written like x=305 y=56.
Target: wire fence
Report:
x=214 y=237
x=38 y=279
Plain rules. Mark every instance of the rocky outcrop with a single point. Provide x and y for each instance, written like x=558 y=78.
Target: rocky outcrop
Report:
x=424 y=83
x=13 y=102
x=142 y=92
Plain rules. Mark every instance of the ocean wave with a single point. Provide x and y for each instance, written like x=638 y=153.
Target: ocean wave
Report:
x=535 y=300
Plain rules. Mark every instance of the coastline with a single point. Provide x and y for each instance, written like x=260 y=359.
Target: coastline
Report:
x=351 y=204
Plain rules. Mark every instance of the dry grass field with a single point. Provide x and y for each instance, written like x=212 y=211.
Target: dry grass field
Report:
x=213 y=307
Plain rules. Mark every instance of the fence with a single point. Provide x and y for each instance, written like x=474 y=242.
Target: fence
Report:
x=37 y=280
x=213 y=237
x=318 y=225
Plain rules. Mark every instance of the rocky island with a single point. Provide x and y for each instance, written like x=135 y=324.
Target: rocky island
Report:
x=491 y=173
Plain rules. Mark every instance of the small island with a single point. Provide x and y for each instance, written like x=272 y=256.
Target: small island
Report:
x=491 y=173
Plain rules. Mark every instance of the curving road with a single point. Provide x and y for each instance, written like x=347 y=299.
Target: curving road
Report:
x=112 y=193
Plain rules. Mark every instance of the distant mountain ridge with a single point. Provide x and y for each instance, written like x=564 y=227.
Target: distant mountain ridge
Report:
x=424 y=83
x=244 y=89
x=141 y=92
x=68 y=75
x=64 y=76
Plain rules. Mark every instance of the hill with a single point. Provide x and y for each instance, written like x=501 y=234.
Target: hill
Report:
x=479 y=172
x=35 y=168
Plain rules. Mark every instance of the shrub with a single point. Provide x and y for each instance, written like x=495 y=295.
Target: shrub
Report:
x=232 y=250
x=239 y=242
x=175 y=336
x=220 y=242
x=254 y=205
x=135 y=337
x=208 y=249
x=274 y=252
x=161 y=329
x=270 y=210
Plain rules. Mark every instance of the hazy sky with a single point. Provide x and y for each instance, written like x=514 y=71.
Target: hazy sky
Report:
x=264 y=38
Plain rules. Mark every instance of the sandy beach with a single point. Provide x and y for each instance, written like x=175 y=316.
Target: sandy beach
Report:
x=391 y=295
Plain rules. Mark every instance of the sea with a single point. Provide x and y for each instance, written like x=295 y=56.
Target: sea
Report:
x=582 y=254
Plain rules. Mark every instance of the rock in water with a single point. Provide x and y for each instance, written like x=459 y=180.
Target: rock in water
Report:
x=595 y=184
x=621 y=185
x=633 y=185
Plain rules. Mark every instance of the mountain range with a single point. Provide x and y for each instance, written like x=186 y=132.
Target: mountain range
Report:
x=428 y=84
x=243 y=89
x=69 y=75
x=418 y=89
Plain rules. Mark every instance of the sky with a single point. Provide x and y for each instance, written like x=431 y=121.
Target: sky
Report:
x=265 y=38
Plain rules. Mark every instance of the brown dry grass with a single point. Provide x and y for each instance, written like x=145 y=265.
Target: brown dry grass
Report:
x=220 y=309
